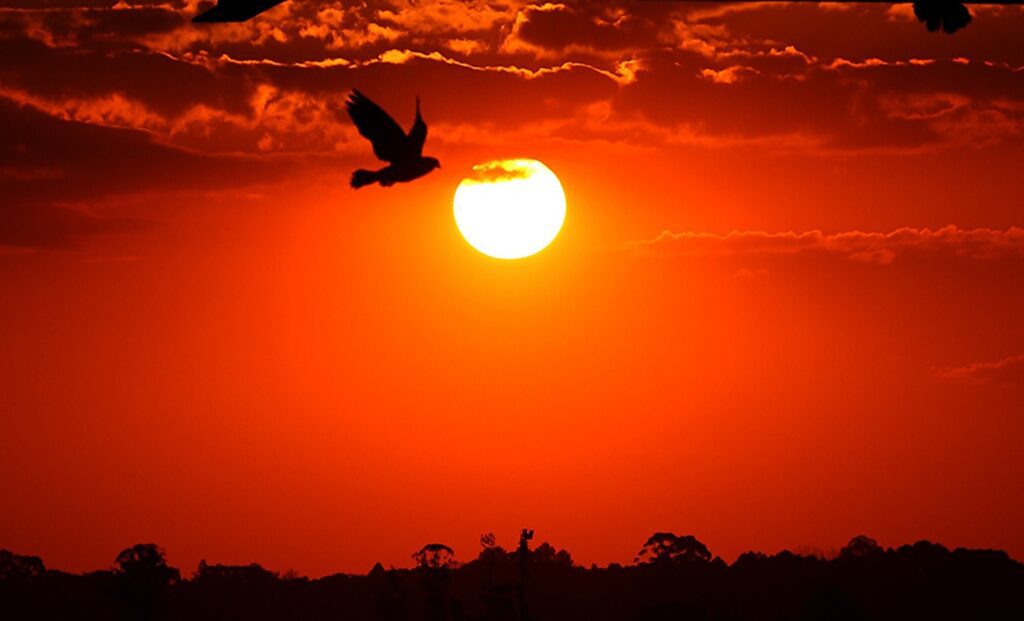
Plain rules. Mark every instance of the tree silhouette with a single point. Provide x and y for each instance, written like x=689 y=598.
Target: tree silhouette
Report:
x=496 y=595
x=145 y=562
x=390 y=599
x=546 y=554
x=861 y=547
x=142 y=577
x=523 y=552
x=435 y=560
x=15 y=568
x=923 y=580
x=435 y=556
x=671 y=548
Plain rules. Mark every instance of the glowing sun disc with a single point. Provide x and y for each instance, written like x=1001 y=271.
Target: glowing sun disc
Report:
x=510 y=209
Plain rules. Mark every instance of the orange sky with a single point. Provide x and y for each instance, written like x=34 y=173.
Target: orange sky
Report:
x=784 y=308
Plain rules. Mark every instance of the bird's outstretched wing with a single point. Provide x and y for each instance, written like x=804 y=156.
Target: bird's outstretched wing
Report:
x=390 y=143
x=234 y=11
x=418 y=133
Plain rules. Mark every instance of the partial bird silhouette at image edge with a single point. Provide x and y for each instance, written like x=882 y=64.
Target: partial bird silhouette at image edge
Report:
x=227 y=11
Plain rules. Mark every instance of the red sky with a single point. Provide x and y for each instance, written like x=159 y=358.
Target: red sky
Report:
x=784 y=309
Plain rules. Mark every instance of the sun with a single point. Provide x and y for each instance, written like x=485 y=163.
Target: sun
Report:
x=510 y=209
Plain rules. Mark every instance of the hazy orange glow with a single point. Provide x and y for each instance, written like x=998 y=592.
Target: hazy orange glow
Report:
x=784 y=308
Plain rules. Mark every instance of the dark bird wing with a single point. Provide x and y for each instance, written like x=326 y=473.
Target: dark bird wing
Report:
x=390 y=143
x=418 y=133
x=235 y=11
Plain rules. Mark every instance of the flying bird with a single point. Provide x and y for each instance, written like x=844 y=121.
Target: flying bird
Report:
x=403 y=152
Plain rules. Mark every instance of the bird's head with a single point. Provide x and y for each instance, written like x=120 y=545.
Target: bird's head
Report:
x=432 y=163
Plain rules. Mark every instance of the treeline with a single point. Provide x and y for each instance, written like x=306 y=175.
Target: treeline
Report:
x=672 y=577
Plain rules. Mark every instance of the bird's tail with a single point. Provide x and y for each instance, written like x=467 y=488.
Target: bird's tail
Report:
x=363 y=177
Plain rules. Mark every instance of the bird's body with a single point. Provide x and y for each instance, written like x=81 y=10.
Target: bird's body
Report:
x=390 y=175
x=403 y=152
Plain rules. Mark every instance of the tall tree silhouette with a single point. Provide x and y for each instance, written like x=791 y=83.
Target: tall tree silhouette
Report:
x=434 y=562
x=523 y=553
x=391 y=601
x=142 y=577
x=497 y=592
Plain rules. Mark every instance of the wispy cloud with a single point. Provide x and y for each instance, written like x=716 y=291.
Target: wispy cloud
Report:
x=871 y=247
x=1008 y=371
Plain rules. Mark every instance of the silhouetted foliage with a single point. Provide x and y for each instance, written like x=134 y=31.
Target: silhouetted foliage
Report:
x=434 y=562
x=671 y=548
x=546 y=554
x=15 y=568
x=675 y=577
x=142 y=578
x=251 y=575
x=523 y=552
x=434 y=556
x=862 y=547
x=145 y=563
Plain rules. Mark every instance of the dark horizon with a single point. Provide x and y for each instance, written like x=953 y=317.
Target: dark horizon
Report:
x=673 y=576
x=800 y=551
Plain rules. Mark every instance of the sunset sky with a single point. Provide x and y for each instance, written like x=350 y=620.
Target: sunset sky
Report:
x=784 y=309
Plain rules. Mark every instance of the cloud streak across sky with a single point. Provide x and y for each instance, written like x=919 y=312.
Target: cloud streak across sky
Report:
x=96 y=57
x=1006 y=372
x=870 y=247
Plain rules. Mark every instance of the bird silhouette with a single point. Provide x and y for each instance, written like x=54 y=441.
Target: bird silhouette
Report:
x=234 y=11
x=403 y=152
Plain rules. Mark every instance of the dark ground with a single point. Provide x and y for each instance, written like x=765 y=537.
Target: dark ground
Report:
x=673 y=577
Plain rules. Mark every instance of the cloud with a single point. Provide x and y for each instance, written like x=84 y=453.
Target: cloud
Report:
x=729 y=75
x=590 y=30
x=499 y=170
x=923 y=106
x=675 y=76
x=623 y=73
x=51 y=227
x=843 y=63
x=1007 y=372
x=447 y=16
x=465 y=46
x=868 y=247
x=57 y=192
